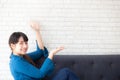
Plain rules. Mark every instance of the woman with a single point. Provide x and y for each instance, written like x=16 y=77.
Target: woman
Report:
x=22 y=65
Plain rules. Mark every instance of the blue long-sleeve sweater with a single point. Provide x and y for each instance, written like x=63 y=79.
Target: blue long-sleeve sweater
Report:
x=21 y=69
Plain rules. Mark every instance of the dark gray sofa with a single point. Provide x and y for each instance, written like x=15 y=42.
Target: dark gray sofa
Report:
x=90 y=67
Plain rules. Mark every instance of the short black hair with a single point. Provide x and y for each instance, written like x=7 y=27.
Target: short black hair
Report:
x=14 y=37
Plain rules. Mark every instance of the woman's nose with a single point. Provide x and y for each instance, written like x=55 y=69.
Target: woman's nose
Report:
x=25 y=45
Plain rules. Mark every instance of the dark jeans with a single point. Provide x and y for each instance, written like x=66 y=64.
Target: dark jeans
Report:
x=65 y=74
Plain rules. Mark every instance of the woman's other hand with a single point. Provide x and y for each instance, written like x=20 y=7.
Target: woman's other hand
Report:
x=54 y=51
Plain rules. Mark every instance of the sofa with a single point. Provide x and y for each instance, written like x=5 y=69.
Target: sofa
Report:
x=89 y=67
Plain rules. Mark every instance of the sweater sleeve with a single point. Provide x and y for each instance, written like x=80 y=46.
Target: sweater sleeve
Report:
x=38 y=53
x=29 y=70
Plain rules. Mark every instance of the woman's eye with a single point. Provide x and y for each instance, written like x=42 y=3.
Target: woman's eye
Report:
x=26 y=42
x=21 y=43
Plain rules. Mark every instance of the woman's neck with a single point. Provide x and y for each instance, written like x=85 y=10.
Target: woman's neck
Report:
x=17 y=54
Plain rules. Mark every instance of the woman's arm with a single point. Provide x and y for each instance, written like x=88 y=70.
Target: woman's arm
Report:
x=26 y=68
x=36 y=27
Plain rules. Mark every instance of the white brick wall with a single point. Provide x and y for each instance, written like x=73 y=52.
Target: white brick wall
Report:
x=82 y=26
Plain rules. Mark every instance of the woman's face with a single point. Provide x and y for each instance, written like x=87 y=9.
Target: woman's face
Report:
x=21 y=47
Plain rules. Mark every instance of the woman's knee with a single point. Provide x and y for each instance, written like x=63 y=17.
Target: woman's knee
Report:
x=65 y=70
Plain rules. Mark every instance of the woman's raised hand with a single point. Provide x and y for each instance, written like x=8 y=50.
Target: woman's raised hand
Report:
x=35 y=25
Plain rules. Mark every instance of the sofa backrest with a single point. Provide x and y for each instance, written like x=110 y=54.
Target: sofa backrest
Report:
x=90 y=67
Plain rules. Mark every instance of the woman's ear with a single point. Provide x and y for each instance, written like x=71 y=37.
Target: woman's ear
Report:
x=12 y=46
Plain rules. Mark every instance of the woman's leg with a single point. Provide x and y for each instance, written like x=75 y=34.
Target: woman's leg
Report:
x=65 y=74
